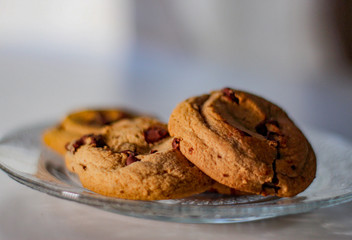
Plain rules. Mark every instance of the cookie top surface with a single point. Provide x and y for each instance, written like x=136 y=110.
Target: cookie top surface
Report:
x=79 y=123
x=92 y=120
x=245 y=142
x=134 y=159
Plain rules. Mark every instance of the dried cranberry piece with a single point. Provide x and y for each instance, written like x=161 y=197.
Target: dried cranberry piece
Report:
x=98 y=141
x=230 y=93
x=176 y=143
x=154 y=134
x=131 y=157
x=91 y=139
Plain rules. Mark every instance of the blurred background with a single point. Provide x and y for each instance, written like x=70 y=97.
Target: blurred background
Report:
x=56 y=56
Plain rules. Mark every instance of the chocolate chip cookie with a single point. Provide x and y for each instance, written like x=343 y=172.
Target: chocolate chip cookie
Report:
x=135 y=159
x=79 y=123
x=225 y=190
x=245 y=142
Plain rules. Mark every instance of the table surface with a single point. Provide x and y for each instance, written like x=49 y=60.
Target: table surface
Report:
x=28 y=214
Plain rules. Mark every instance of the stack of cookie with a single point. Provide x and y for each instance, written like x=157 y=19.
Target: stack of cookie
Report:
x=228 y=141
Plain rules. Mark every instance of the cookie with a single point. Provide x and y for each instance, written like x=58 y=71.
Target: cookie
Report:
x=244 y=142
x=79 y=123
x=225 y=190
x=135 y=159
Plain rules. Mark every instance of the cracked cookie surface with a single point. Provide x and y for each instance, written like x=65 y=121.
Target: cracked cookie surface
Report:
x=79 y=123
x=244 y=142
x=134 y=159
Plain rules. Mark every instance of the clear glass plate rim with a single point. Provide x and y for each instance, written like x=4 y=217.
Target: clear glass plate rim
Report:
x=238 y=213
x=58 y=191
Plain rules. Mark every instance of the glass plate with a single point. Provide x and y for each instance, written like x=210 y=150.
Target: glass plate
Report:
x=24 y=158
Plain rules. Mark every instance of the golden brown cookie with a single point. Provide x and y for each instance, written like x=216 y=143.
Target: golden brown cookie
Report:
x=79 y=123
x=245 y=142
x=225 y=190
x=135 y=159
